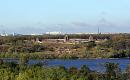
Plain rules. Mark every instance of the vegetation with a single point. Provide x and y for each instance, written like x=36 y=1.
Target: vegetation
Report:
x=103 y=46
x=13 y=71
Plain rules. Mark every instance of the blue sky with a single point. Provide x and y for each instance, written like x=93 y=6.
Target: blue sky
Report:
x=39 y=16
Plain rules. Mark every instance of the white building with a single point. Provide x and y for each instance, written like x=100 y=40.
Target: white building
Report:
x=54 y=33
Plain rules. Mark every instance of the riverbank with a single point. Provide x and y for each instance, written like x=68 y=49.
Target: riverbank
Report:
x=41 y=55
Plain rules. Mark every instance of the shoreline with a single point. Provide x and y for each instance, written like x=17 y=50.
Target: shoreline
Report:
x=68 y=59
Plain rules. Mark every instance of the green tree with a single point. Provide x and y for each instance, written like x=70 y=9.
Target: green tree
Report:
x=112 y=71
x=90 y=45
x=24 y=58
x=84 y=70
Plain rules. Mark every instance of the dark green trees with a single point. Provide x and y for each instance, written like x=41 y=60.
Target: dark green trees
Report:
x=112 y=71
x=90 y=45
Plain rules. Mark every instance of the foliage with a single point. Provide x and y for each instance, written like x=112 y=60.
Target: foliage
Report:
x=13 y=71
x=103 y=46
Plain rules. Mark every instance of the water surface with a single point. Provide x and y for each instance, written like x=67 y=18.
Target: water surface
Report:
x=93 y=64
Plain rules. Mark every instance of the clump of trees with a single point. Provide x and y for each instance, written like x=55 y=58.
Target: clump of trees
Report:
x=118 y=46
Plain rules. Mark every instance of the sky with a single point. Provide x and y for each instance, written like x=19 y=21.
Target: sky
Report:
x=68 y=16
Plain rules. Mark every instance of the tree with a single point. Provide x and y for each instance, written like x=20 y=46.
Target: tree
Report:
x=24 y=58
x=90 y=44
x=1 y=61
x=112 y=71
x=84 y=70
x=72 y=70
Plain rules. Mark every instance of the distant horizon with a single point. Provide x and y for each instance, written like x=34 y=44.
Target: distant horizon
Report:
x=62 y=33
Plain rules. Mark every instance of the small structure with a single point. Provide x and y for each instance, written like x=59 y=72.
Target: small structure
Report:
x=91 y=38
x=66 y=38
x=38 y=41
